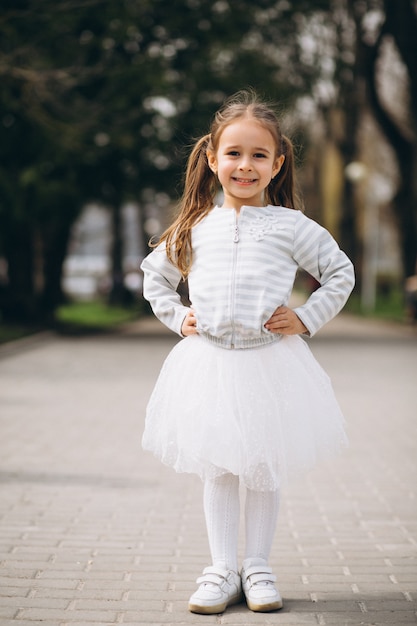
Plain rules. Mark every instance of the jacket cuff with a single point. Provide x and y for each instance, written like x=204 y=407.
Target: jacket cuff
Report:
x=308 y=320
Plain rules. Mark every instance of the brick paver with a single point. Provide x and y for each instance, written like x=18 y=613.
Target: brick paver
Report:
x=95 y=532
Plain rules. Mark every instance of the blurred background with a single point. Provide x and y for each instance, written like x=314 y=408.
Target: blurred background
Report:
x=100 y=101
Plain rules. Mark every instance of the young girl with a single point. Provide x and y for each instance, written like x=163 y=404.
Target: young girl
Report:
x=241 y=399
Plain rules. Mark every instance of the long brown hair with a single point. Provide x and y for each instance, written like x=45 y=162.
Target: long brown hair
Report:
x=201 y=185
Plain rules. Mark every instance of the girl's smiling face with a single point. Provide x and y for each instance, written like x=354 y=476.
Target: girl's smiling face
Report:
x=245 y=162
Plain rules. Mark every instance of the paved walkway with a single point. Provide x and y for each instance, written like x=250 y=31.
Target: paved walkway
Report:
x=95 y=532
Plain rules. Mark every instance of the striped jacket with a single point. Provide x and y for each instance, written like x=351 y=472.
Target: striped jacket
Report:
x=243 y=268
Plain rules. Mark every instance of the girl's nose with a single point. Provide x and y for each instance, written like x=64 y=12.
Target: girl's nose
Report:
x=245 y=164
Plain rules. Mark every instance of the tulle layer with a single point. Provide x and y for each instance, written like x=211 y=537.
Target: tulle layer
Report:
x=264 y=414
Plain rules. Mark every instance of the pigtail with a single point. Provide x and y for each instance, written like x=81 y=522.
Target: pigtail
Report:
x=281 y=190
x=200 y=187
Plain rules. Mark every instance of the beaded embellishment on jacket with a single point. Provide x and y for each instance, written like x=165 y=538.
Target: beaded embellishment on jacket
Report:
x=263 y=225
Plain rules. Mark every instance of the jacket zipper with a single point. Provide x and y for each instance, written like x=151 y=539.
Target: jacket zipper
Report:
x=232 y=300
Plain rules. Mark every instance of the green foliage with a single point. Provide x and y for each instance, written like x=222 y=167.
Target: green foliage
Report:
x=14 y=332
x=388 y=306
x=98 y=99
x=93 y=315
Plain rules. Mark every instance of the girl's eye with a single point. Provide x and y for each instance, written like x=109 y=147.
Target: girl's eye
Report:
x=233 y=153
x=260 y=155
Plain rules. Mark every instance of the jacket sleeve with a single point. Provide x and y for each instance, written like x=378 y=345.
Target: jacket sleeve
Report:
x=160 y=282
x=317 y=253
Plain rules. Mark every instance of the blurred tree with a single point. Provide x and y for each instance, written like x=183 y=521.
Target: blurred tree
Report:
x=96 y=98
x=367 y=52
x=397 y=26
x=341 y=100
x=361 y=30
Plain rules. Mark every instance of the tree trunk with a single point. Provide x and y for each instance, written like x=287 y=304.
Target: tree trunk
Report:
x=401 y=19
x=119 y=295
x=18 y=301
x=405 y=201
x=345 y=134
x=55 y=245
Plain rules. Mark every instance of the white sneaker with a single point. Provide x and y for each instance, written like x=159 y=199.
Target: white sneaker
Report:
x=218 y=589
x=258 y=586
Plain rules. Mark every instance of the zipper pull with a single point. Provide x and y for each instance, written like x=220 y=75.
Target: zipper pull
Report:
x=236 y=230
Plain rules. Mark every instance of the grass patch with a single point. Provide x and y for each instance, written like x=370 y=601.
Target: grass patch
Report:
x=389 y=306
x=12 y=332
x=93 y=316
x=77 y=318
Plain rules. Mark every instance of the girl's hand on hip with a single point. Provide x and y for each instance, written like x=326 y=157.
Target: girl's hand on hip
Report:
x=285 y=322
x=189 y=324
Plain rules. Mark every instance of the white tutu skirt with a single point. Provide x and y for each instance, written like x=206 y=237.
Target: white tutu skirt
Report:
x=264 y=414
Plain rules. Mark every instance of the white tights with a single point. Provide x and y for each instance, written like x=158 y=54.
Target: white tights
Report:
x=222 y=508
